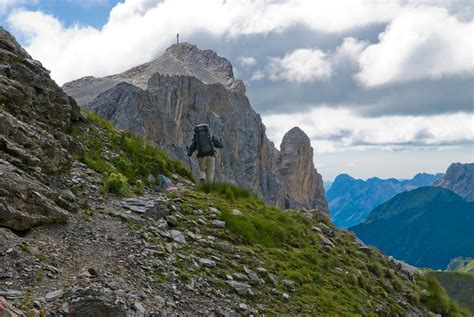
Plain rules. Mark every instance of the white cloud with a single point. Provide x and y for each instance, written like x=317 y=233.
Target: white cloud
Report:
x=301 y=65
x=420 y=43
x=257 y=75
x=334 y=130
x=246 y=61
x=7 y=5
x=138 y=30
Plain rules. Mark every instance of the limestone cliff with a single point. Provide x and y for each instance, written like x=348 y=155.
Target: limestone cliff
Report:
x=187 y=86
x=460 y=179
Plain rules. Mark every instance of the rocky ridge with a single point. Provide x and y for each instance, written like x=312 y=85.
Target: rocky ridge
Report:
x=460 y=179
x=167 y=107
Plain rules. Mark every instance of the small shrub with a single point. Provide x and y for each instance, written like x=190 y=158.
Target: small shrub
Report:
x=117 y=184
x=376 y=269
x=25 y=247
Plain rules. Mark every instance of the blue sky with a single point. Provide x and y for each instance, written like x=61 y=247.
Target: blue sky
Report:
x=382 y=88
x=86 y=12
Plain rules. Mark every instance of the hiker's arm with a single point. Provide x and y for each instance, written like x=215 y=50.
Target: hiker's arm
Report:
x=192 y=148
x=218 y=144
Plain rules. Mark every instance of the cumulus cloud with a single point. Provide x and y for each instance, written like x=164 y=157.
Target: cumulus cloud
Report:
x=246 y=61
x=301 y=65
x=332 y=130
x=138 y=30
x=420 y=43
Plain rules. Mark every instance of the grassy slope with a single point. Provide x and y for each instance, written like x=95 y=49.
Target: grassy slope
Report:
x=460 y=286
x=123 y=158
x=340 y=280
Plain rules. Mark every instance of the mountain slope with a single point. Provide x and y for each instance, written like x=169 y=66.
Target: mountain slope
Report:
x=350 y=200
x=186 y=253
x=164 y=109
x=425 y=227
x=460 y=179
x=459 y=286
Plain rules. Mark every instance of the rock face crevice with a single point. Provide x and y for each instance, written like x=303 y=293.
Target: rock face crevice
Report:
x=187 y=86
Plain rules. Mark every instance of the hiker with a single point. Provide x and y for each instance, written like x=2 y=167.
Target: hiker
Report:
x=205 y=144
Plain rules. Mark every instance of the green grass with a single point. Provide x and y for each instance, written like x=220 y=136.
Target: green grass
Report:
x=437 y=299
x=340 y=281
x=117 y=154
x=459 y=286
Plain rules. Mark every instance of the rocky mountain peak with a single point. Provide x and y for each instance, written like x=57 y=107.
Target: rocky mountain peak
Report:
x=183 y=59
x=302 y=183
x=210 y=68
x=460 y=179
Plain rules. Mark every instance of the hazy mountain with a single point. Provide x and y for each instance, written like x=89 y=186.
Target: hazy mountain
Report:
x=460 y=179
x=350 y=200
x=425 y=227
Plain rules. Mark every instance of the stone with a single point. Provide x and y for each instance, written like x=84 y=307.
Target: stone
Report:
x=261 y=270
x=224 y=247
x=275 y=281
x=240 y=276
x=218 y=223
x=95 y=307
x=139 y=309
x=243 y=307
x=285 y=296
x=236 y=212
x=206 y=262
x=215 y=211
x=326 y=241
x=177 y=236
x=240 y=288
x=53 y=295
x=288 y=283
x=11 y=294
x=254 y=277
x=67 y=194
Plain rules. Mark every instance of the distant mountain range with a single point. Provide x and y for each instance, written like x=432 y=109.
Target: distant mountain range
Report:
x=425 y=227
x=350 y=200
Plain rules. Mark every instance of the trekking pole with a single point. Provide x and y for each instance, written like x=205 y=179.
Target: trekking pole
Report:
x=189 y=160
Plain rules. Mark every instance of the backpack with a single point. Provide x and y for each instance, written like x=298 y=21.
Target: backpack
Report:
x=203 y=139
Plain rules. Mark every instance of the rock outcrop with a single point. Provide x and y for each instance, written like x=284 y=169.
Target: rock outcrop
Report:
x=302 y=183
x=460 y=179
x=35 y=115
x=186 y=87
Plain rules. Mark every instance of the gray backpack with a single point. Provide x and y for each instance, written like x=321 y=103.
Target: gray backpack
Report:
x=203 y=138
